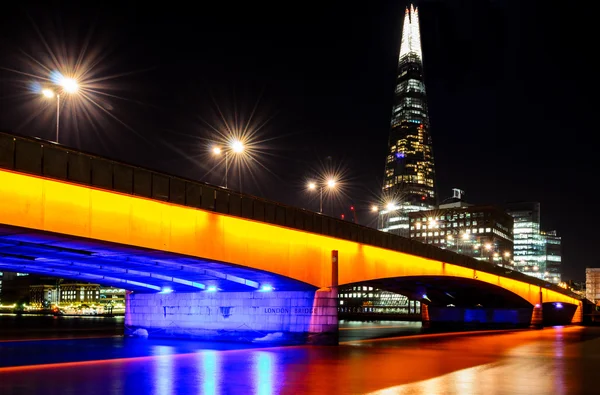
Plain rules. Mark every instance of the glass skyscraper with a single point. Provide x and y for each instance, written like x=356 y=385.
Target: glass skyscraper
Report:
x=409 y=181
x=536 y=253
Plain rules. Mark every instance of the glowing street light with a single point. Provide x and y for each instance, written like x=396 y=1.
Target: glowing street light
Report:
x=330 y=183
x=236 y=146
x=65 y=85
x=390 y=206
x=69 y=85
x=374 y=208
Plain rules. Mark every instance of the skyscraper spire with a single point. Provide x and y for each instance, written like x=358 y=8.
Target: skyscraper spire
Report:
x=409 y=169
x=405 y=43
x=411 y=36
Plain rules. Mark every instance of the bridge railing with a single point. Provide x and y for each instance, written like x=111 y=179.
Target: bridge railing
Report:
x=50 y=160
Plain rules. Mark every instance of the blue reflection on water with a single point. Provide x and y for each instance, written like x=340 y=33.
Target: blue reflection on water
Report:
x=163 y=369
x=211 y=371
x=263 y=372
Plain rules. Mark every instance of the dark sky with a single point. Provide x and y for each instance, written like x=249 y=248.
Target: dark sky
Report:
x=507 y=83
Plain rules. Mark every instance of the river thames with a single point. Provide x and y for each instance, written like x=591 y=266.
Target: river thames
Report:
x=557 y=360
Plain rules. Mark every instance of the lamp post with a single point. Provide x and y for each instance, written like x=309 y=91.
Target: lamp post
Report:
x=67 y=85
x=330 y=183
x=236 y=146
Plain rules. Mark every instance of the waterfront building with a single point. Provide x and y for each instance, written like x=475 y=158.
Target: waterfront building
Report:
x=112 y=296
x=78 y=293
x=409 y=179
x=43 y=295
x=362 y=300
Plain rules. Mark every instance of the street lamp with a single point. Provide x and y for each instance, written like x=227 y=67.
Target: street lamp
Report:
x=65 y=85
x=330 y=183
x=236 y=146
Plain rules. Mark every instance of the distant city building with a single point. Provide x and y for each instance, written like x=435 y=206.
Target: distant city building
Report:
x=409 y=180
x=78 y=293
x=592 y=284
x=481 y=232
x=42 y=295
x=553 y=256
x=365 y=300
x=112 y=295
x=537 y=253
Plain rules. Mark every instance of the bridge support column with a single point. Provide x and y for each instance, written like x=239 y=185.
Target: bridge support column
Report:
x=537 y=316
x=578 y=316
x=425 y=320
x=276 y=317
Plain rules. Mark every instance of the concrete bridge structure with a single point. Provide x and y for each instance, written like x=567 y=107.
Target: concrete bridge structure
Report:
x=206 y=262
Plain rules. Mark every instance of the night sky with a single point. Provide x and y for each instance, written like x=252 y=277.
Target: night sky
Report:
x=506 y=83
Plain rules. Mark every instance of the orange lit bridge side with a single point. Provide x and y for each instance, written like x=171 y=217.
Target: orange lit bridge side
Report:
x=47 y=205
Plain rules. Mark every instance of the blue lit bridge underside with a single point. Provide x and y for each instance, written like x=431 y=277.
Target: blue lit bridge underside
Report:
x=133 y=268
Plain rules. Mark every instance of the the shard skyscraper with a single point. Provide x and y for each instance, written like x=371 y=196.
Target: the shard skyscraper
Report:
x=409 y=180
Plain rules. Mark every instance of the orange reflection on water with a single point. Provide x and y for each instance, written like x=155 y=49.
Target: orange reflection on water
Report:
x=549 y=361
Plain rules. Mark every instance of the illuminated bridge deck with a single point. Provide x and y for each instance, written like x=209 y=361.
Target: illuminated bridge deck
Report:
x=46 y=160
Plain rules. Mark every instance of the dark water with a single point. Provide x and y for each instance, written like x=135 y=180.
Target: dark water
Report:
x=559 y=360
x=33 y=326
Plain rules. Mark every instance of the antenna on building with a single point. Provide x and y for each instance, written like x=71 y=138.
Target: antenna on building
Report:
x=457 y=193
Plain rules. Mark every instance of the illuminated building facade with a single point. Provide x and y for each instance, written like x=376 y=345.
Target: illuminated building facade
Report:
x=592 y=284
x=409 y=169
x=360 y=300
x=553 y=256
x=481 y=232
x=537 y=253
x=42 y=295
x=76 y=293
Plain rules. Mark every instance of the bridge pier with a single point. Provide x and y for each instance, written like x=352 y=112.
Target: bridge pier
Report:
x=282 y=318
x=537 y=315
x=425 y=320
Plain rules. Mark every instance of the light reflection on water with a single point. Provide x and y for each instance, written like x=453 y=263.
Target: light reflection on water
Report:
x=550 y=361
x=263 y=372
x=211 y=370
x=163 y=370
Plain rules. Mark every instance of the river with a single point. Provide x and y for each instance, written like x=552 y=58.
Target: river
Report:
x=557 y=360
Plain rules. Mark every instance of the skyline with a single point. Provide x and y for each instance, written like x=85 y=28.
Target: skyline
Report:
x=324 y=107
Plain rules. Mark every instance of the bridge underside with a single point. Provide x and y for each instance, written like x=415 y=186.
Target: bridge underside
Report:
x=135 y=269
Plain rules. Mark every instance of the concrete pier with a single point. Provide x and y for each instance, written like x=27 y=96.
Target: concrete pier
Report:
x=297 y=317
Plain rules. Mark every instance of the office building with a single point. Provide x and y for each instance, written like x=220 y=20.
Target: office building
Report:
x=592 y=284
x=537 y=253
x=481 y=232
x=553 y=256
